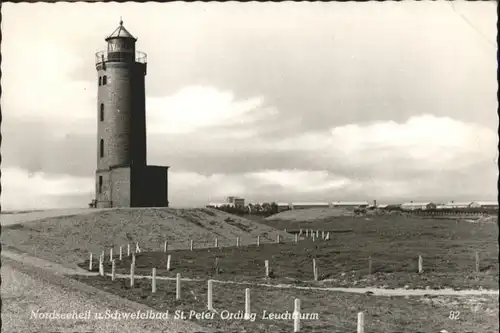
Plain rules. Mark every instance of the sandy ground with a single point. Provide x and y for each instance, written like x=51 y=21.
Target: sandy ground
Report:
x=27 y=291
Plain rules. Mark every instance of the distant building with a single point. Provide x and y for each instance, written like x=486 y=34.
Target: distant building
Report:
x=484 y=204
x=457 y=205
x=239 y=202
x=382 y=206
x=350 y=204
x=418 y=206
x=305 y=205
x=219 y=204
x=282 y=206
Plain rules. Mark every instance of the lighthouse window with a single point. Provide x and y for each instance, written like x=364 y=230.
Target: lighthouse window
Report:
x=100 y=81
x=101 y=148
x=104 y=80
x=100 y=184
x=102 y=112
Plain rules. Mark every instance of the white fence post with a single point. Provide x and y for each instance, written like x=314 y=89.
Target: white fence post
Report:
x=313 y=237
x=361 y=322
x=328 y=235
x=153 y=280
x=101 y=265
x=113 y=270
x=165 y=246
x=237 y=241
x=168 y=262
x=323 y=235
x=300 y=232
x=132 y=272
x=121 y=250
x=247 y=303
x=128 y=250
x=209 y=296
x=137 y=248
x=178 y=287
x=296 y=238
x=216 y=242
x=315 y=270
x=296 y=316
x=278 y=238
x=258 y=240
x=267 y=268
x=191 y=245
x=111 y=254
x=90 y=262
x=477 y=262
x=420 y=264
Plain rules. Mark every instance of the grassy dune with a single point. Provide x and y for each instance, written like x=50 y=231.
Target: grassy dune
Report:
x=68 y=239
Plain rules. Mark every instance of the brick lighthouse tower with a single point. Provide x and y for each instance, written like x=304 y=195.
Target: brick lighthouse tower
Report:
x=123 y=179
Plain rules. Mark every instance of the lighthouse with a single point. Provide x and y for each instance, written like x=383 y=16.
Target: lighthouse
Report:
x=123 y=178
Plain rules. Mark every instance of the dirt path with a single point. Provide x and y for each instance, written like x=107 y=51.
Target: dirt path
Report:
x=375 y=291
x=28 y=291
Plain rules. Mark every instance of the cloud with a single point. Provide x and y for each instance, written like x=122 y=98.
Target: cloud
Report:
x=25 y=190
x=197 y=107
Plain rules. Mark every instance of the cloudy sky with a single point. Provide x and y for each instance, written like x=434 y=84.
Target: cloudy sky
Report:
x=269 y=101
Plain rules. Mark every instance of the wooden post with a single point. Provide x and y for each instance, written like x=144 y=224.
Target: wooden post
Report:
x=237 y=241
x=209 y=296
x=315 y=270
x=296 y=316
x=370 y=265
x=165 y=246
x=267 y=268
x=121 y=250
x=296 y=238
x=111 y=254
x=258 y=240
x=420 y=264
x=477 y=262
x=278 y=238
x=168 y=262
x=216 y=265
x=113 y=270
x=153 y=281
x=128 y=250
x=216 y=242
x=178 y=287
x=90 y=262
x=247 y=303
x=132 y=272
x=361 y=322
x=191 y=245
